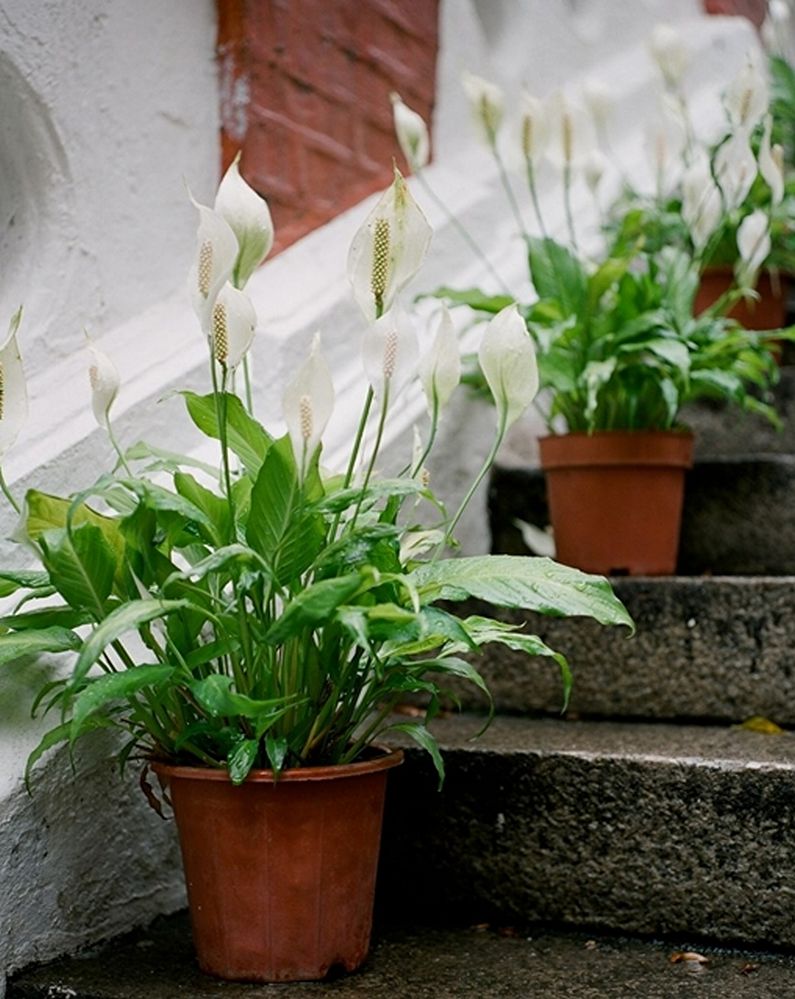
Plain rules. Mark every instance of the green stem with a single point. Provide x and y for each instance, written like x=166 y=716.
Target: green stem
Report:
x=531 y=183
x=509 y=190
x=117 y=449
x=567 y=205
x=462 y=232
x=247 y=386
x=379 y=434
x=7 y=492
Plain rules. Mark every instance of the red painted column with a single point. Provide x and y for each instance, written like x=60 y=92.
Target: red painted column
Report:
x=305 y=90
x=754 y=10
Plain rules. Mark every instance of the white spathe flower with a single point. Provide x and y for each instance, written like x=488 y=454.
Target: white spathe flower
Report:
x=307 y=404
x=593 y=170
x=599 y=98
x=747 y=96
x=771 y=164
x=232 y=326
x=487 y=102
x=13 y=390
x=249 y=218
x=571 y=136
x=388 y=249
x=390 y=353
x=753 y=243
x=671 y=53
x=702 y=205
x=508 y=361
x=533 y=126
x=665 y=141
x=105 y=381
x=735 y=169
x=412 y=134
x=213 y=263
x=440 y=368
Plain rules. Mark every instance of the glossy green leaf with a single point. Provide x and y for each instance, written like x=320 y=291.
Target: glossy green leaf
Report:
x=113 y=687
x=313 y=607
x=11 y=581
x=247 y=438
x=241 y=759
x=81 y=565
x=32 y=643
x=420 y=734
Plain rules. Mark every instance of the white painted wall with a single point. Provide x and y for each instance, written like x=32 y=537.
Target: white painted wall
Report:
x=104 y=107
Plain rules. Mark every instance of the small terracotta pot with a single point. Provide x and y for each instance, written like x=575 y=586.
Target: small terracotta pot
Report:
x=615 y=499
x=280 y=874
x=769 y=313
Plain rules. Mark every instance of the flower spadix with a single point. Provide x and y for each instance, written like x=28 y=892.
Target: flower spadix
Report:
x=771 y=163
x=532 y=123
x=13 y=391
x=440 y=367
x=390 y=353
x=508 y=362
x=213 y=262
x=249 y=218
x=487 y=103
x=735 y=169
x=233 y=321
x=570 y=132
x=411 y=132
x=753 y=243
x=307 y=404
x=747 y=96
x=671 y=53
x=103 y=376
x=388 y=249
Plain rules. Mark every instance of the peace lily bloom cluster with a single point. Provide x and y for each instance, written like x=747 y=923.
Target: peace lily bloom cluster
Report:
x=266 y=612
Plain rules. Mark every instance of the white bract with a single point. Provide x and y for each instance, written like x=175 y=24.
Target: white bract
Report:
x=104 y=379
x=308 y=403
x=533 y=126
x=412 y=134
x=593 y=170
x=487 y=102
x=735 y=169
x=747 y=96
x=249 y=217
x=571 y=136
x=771 y=163
x=390 y=353
x=753 y=243
x=599 y=99
x=702 y=205
x=213 y=262
x=440 y=367
x=671 y=53
x=388 y=249
x=665 y=142
x=13 y=390
x=232 y=327
x=508 y=362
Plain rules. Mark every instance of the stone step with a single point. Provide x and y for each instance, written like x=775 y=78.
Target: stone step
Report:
x=706 y=649
x=650 y=829
x=427 y=962
x=738 y=517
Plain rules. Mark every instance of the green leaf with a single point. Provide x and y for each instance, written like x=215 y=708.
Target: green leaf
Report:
x=215 y=696
x=45 y=617
x=241 y=759
x=276 y=748
x=158 y=498
x=123 y=619
x=420 y=734
x=61 y=733
x=537 y=584
x=221 y=558
x=605 y=277
x=44 y=512
x=556 y=273
x=214 y=507
x=32 y=643
x=473 y=297
x=81 y=565
x=113 y=687
x=11 y=581
x=246 y=437
x=313 y=607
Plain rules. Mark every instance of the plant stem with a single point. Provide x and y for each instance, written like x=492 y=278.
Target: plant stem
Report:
x=247 y=386
x=7 y=492
x=117 y=449
x=531 y=183
x=567 y=205
x=462 y=232
x=376 y=447
x=509 y=190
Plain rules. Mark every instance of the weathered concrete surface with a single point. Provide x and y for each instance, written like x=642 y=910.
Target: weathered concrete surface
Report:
x=650 y=828
x=432 y=963
x=706 y=648
x=738 y=516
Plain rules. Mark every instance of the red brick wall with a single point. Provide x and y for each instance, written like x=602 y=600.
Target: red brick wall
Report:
x=305 y=95
x=754 y=10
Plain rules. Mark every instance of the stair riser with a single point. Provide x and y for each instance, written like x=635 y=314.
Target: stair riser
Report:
x=627 y=844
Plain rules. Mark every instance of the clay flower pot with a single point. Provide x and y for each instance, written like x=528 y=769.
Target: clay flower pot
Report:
x=280 y=874
x=615 y=499
x=769 y=313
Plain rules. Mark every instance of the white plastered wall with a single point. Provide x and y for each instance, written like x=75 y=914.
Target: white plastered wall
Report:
x=104 y=108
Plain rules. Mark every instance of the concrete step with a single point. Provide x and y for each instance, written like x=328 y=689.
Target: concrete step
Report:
x=476 y=962
x=651 y=829
x=706 y=649
x=738 y=517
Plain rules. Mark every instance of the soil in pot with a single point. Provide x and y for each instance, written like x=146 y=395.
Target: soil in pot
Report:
x=280 y=874
x=615 y=499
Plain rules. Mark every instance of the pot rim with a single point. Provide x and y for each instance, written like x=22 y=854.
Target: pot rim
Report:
x=389 y=758
x=681 y=434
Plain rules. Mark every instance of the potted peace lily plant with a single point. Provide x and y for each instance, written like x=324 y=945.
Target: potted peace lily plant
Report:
x=248 y=628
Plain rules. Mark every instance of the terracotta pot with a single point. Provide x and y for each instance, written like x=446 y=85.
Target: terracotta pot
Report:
x=615 y=499
x=769 y=313
x=280 y=874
